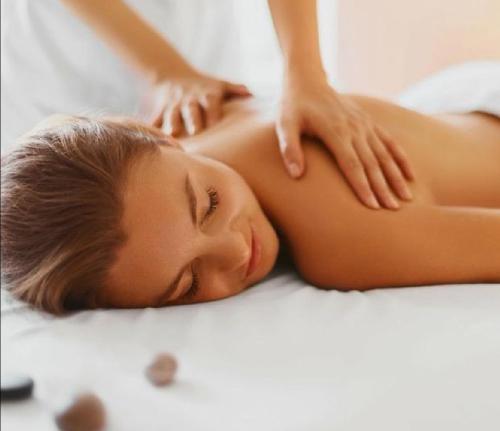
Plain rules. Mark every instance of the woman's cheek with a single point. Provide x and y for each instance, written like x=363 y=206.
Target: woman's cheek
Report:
x=219 y=288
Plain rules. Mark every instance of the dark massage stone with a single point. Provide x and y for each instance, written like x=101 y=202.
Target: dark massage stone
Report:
x=16 y=387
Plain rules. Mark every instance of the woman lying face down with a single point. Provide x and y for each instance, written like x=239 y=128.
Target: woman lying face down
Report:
x=112 y=213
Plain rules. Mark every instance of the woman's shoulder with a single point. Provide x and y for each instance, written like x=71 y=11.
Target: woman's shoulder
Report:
x=261 y=106
x=243 y=138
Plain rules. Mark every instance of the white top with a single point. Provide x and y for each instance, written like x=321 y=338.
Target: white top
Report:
x=52 y=62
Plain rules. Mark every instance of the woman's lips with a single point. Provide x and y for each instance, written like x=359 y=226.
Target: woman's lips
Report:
x=255 y=254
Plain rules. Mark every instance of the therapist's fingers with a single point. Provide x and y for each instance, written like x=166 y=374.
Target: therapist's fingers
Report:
x=236 y=89
x=157 y=120
x=341 y=146
x=192 y=116
x=155 y=107
x=172 y=120
x=288 y=132
x=397 y=152
x=212 y=103
x=156 y=116
x=374 y=173
x=391 y=170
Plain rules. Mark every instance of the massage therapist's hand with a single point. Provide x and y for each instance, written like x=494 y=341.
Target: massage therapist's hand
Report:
x=370 y=160
x=192 y=102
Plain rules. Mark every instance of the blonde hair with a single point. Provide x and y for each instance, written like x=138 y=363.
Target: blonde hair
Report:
x=62 y=204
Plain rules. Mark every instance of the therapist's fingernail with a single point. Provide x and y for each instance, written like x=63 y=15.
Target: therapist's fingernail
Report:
x=407 y=194
x=373 y=202
x=392 y=203
x=190 y=128
x=294 y=169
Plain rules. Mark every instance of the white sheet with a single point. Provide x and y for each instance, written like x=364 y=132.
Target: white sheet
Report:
x=281 y=356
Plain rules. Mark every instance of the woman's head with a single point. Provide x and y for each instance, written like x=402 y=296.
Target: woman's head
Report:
x=191 y=224
x=97 y=212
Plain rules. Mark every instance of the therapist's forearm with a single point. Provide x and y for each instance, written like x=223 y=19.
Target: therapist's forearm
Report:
x=132 y=38
x=296 y=26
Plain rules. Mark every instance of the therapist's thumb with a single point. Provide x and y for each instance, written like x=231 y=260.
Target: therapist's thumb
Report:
x=237 y=89
x=290 y=148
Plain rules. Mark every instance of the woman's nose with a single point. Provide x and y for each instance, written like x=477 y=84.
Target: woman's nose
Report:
x=229 y=251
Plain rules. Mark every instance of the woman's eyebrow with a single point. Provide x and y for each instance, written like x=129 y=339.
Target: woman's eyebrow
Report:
x=193 y=204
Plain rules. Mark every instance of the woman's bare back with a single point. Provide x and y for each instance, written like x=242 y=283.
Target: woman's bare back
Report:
x=335 y=240
x=456 y=156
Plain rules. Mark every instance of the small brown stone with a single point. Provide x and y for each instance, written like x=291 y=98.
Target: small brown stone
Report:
x=162 y=371
x=85 y=413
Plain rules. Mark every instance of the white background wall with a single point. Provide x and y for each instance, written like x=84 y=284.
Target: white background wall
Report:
x=261 y=63
x=51 y=62
x=377 y=47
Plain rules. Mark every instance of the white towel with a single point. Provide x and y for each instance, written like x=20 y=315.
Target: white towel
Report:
x=467 y=87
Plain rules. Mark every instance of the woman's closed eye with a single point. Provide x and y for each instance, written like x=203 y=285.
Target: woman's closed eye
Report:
x=194 y=288
x=213 y=202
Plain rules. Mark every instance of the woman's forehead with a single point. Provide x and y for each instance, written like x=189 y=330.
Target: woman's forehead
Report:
x=158 y=169
x=155 y=202
x=156 y=221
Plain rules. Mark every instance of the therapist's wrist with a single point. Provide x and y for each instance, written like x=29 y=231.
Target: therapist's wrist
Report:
x=305 y=73
x=303 y=70
x=172 y=72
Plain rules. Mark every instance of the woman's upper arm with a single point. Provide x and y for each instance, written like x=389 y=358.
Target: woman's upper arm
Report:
x=419 y=244
x=338 y=242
